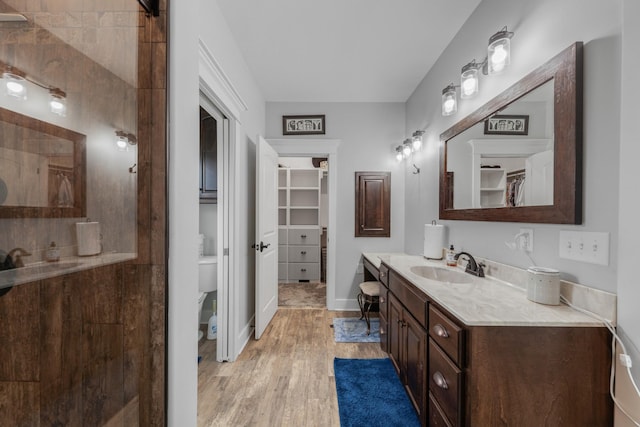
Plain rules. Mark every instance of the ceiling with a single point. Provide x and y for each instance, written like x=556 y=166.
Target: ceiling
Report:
x=342 y=50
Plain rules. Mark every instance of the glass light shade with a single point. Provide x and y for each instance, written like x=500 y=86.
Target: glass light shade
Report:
x=15 y=85
x=121 y=140
x=399 y=156
x=58 y=102
x=469 y=81
x=406 y=148
x=417 y=140
x=449 y=100
x=499 y=51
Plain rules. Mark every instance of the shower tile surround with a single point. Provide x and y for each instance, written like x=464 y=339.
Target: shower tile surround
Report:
x=506 y=301
x=79 y=348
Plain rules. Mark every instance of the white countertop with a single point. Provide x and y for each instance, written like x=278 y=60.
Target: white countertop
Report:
x=45 y=270
x=483 y=301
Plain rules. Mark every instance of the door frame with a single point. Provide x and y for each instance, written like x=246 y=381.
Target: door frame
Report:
x=320 y=148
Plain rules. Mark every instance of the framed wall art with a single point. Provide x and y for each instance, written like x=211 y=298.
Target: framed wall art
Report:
x=507 y=125
x=303 y=125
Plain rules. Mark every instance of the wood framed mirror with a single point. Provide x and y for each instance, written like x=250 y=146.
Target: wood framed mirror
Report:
x=493 y=169
x=42 y=169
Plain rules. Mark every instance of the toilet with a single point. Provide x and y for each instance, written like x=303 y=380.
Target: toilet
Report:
x=207 y=282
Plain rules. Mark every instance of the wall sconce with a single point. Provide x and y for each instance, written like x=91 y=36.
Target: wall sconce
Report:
x=449 y=100
x=498 y=58
x=125 y=140
x=16 y=86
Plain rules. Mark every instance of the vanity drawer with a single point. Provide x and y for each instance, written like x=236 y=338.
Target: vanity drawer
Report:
x=282 y=253
x=304 y=271
x=282 y=271
x=412 y=298
x=304 y=254
x=383 y=301
x=445 y=383
x=436 y=416
x=282 y=236
x=447 y=334
x=304 y=236
x=383 y=274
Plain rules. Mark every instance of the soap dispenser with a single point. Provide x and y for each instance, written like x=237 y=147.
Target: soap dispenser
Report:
x=53 y=253
x=451 y=257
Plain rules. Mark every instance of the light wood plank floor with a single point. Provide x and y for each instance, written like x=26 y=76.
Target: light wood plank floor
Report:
x=284 y=379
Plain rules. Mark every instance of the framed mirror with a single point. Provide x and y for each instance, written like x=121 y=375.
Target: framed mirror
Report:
x=42 y=169
x=518 y=158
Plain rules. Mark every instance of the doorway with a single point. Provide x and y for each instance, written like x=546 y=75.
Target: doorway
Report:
x=213 y=228
x=303 y=226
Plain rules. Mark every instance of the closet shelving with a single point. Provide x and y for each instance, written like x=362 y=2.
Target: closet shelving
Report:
x=299 y=223
x=493 y=186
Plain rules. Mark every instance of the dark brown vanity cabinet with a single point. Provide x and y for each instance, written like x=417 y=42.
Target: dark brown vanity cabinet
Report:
x=463 y=375
x=208 y=158
x=407 y=341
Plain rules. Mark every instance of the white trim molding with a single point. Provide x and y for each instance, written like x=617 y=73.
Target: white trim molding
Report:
x=216 y=84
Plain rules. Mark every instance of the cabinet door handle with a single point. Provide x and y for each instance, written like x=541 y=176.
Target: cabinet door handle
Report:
x=382 y=274
x=440 y=380
x=382 y=331
x=381 y=299
x=441 y=331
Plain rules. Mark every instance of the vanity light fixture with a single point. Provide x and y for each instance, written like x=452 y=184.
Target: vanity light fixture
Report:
x=499 y=51
x=449 y=100
x=16 y=86
x=407 y=148
x=124 y=140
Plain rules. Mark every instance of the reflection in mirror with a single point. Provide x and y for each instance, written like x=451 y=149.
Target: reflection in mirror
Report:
x=518 y=158
x=506 y=167
x=42 y=168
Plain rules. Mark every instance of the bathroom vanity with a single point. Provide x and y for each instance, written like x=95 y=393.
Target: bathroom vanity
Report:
x=475 y=352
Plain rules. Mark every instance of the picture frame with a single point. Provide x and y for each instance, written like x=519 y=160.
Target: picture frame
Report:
x=303 y=125
x=507 y=125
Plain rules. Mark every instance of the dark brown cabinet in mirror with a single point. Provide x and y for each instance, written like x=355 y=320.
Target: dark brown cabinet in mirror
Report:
x=42 y=169
x=533 y=175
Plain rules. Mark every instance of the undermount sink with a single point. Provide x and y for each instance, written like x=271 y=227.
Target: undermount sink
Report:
x=441 y=274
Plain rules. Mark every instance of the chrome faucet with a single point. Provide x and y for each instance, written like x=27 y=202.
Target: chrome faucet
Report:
x=15 y=257
x=472 y=266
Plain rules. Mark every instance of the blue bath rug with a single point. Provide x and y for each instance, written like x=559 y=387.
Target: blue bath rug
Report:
x=370 y=394
x=352 y=329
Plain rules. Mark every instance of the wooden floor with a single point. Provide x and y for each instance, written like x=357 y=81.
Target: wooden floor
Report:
x=284 y=379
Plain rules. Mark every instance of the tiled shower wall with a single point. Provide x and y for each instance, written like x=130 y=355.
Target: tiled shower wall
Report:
x=88 y=348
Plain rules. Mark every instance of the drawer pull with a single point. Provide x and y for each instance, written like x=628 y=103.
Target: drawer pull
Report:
x=382 y=331
x=303 y=236
x=303 y=270
x=303 y=252
x=383 y=274
x=440 y=331
x=440 y=380
x=381 y=299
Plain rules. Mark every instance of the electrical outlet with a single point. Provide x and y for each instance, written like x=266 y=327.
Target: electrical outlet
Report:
x=585 y=246
x=525 y=241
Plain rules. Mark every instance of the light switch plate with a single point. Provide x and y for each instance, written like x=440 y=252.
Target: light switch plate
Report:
x=585 y=246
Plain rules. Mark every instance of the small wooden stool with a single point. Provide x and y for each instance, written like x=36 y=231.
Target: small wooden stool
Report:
x=369 y=295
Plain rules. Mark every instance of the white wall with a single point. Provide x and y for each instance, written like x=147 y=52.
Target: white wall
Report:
x=542 y=29
x=628 y=281
x=191 y=21
x=368 y=132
